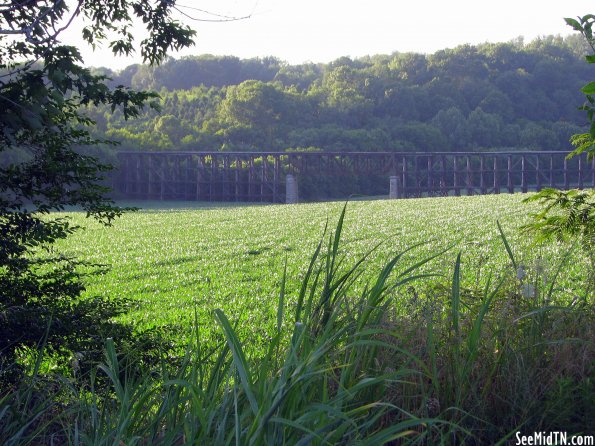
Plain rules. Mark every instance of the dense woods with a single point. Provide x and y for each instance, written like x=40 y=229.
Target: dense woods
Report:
x=491 y=96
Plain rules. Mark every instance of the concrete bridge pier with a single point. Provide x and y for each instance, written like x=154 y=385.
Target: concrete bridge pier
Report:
x=393 y=187
x=291 y=189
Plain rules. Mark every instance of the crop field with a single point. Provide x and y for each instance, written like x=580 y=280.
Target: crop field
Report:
x=180 y=261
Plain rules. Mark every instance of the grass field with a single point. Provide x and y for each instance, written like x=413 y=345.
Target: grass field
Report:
x=492 y=336
x=174 y=258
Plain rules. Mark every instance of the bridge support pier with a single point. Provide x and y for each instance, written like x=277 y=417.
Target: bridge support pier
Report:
x=291 y=189
x=393 y=187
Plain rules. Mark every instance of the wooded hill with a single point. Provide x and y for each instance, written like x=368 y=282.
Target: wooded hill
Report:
x=490 y=96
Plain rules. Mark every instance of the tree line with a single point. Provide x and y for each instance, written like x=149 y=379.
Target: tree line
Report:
x=512 y=95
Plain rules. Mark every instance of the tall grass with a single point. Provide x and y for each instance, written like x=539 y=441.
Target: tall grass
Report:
x=411 y=359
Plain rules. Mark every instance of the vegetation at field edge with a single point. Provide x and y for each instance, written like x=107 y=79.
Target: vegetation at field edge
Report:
x=362 y=349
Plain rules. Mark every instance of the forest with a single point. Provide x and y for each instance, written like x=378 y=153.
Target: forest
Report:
x=513 y=95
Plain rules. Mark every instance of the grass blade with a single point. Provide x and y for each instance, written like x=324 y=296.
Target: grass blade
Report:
x=239 y=358
x=507 y=246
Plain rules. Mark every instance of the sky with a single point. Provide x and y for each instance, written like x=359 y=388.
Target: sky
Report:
x=299 y=31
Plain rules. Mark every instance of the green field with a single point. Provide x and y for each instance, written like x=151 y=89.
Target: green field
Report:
x=492 y=335
x=178 y=257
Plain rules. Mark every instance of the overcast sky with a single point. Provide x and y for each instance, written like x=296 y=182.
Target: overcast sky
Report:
x=323 y=30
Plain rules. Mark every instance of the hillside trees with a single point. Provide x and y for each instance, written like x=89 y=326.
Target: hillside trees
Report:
x=253 y=111
x=485 y=128
x=170 y=127
x=44 y=89
x=509 y=95
x=344 y=95
x=453 y=125
x=299 y=77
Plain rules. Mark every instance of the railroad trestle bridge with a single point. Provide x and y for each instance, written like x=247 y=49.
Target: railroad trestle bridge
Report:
x=274 y=176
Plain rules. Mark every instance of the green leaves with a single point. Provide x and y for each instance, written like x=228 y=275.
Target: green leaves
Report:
x=574 y=24
x=584 y=142
x=584 y=25
x=564 y=214
x=44 y=89
x=589 y=88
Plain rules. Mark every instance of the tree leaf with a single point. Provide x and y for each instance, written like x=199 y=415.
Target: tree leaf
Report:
x=574 y=24
x=589 y=88
x=592 y=130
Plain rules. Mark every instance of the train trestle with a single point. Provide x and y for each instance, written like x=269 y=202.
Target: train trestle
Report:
x=269 y=176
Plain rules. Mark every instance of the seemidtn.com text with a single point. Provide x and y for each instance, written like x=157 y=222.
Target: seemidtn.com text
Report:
x=553 y=438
